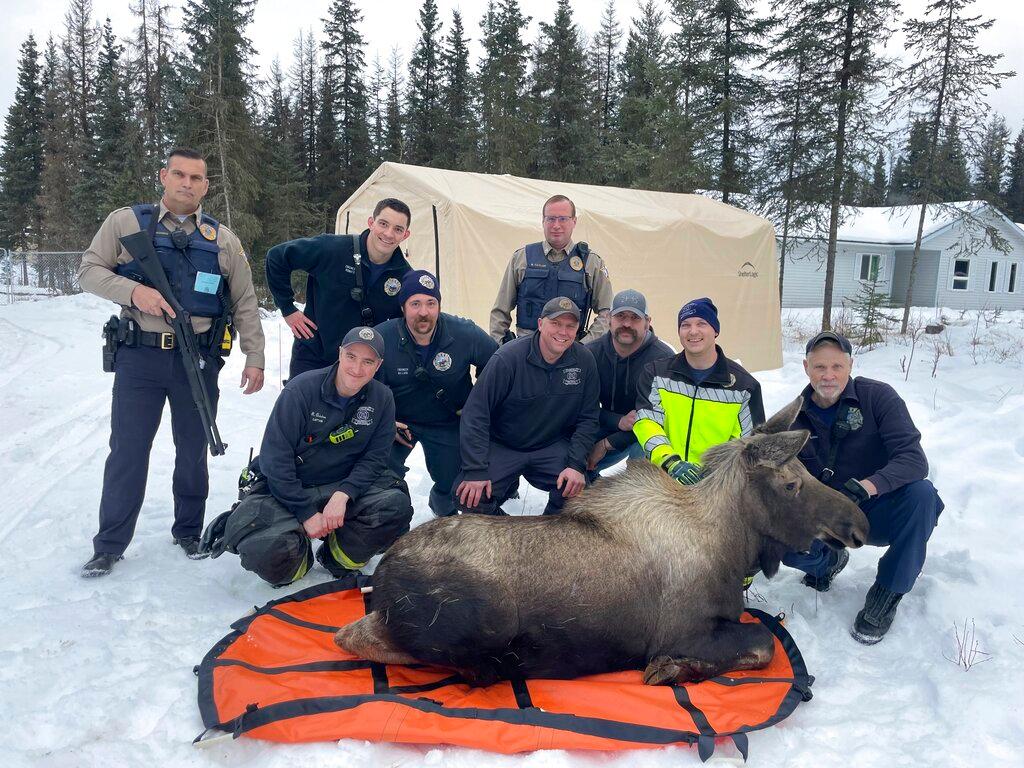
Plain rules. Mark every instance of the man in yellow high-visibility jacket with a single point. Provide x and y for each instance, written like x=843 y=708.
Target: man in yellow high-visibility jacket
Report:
x=697 y=399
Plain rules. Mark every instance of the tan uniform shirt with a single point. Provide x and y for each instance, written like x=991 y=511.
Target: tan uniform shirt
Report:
x=96 y=275
x=600 y=292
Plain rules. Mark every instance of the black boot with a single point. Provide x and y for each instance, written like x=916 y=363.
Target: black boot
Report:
x=326 y=559
x=100 y=565
x=823 y=583
x=191 y=546
x=876 y=616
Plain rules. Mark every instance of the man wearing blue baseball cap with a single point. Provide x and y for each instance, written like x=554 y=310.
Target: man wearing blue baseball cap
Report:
x=695 y=400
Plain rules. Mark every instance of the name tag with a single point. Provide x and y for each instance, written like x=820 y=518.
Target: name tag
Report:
x=207 y=282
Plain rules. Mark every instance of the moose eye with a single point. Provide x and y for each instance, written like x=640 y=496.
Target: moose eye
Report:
x=791 y=487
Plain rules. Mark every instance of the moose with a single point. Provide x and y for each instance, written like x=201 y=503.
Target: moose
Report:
x=637 y=572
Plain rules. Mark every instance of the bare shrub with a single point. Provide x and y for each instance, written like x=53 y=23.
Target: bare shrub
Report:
x=968 y=647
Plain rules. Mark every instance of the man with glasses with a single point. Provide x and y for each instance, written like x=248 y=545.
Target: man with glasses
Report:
x=427 y=358
x=539 y=272
x=352 y=280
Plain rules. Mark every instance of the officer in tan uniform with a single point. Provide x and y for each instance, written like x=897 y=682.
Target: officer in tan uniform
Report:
x=539 y=272
x=210 y=276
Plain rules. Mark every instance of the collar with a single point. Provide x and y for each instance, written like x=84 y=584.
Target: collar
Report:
x=534 y=357
x=849 y=393
x=196 y=215
x=549 y=249
x=719 y=371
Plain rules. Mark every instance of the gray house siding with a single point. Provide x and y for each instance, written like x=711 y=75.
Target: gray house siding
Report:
x=925 y=279
x=804 y=278
x=956 y=244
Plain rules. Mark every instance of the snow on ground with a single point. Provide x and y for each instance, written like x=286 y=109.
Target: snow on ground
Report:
x=99 y=672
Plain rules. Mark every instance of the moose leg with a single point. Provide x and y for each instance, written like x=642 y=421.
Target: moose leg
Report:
x=368 y=639
x=729 y=647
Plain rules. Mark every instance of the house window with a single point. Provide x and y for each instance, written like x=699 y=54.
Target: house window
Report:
x=961 y=274
x=993 y=277
x=1011 y=284
x=869 y=266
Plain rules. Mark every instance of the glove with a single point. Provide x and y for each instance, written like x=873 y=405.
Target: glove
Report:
x=854 y=491
x=212 y=540
x=682 y=471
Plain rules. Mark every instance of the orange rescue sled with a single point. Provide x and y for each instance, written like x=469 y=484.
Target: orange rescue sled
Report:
x=279 y=676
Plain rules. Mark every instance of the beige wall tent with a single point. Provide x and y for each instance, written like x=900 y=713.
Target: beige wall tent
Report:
x=671 y=247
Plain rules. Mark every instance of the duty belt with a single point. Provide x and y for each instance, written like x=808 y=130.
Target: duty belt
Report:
x=166 y=339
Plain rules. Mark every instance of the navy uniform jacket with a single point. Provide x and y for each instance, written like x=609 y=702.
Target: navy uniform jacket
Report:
x=619 y=377
x=332 y=275
x=298 y=452
x=882 y=446
x=433 y=393
x=525 y=404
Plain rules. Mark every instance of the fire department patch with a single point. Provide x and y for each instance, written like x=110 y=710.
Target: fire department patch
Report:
x=442 y=361
x=392 y=286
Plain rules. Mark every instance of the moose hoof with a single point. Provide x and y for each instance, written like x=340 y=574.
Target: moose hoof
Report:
x=660 y=671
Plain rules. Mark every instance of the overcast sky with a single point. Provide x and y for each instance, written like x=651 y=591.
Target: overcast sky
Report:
x=390 y=23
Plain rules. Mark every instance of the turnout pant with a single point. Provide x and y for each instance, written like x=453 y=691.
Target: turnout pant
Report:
x=540 y=468
x=901 y=520
x=273 y=544
x=441 y=450
x=144 y=378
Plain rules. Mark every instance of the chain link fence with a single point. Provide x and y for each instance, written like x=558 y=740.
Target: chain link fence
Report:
x=32 y=275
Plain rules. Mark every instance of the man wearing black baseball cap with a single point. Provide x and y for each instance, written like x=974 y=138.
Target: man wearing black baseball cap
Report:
x=533 y=413
x=322 y=473
x=864 y=444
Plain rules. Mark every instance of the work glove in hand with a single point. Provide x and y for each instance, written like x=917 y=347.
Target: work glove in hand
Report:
x=682 y=471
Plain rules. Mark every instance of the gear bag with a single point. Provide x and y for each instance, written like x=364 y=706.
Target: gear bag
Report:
x=279 y=676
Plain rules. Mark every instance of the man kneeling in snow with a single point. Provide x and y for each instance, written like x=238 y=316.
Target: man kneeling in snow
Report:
x=864 y=444
x=322 y=473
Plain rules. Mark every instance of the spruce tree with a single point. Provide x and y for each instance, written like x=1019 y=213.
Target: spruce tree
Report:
x=567 y=140
x=953 y=178
x=377 y=116
x=151 y=63
x=60 y=161
x=945 y=79
x=908 y=183
x=218 y=113
x=345 y=61
x=1013 y=201
x=21 y=154
x=879 y=188
x=991 y=161
x=607 y=58
x=394 y=133
x=506 y=131
x=459 y=134
x=305 y=99
x=424 y=115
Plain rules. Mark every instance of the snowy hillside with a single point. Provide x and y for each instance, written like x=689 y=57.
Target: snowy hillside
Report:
x=99 y=672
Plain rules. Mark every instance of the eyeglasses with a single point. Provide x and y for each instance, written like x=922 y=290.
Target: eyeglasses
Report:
x=557 y=219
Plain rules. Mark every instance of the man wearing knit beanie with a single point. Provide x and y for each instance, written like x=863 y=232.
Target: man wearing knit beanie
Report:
x=695 y=400
x=427 y=360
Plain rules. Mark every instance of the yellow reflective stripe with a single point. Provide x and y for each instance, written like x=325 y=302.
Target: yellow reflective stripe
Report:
x=339 y=554
x=716 y=419
x=303 y=568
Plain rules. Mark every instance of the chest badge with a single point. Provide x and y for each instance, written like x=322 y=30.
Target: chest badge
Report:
x=392 y=286
x=571 y=377
x=576 y=263
x=442 y=361
x=208 y=232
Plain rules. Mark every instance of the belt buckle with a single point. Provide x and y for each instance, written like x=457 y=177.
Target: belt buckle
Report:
x=166 y=340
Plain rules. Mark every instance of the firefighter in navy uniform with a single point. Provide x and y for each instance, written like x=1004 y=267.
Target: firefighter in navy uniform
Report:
x=322 y=473
x=427 y=359
x=209 y=274
x=539 y=272
x=534 y=414
x=340 y=295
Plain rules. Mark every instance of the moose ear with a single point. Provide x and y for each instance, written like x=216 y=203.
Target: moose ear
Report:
x=774 y=450
x=782 y=420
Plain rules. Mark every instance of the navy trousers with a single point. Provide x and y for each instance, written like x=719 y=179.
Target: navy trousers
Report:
x=635 y=451
x=441 y=450
x=540 y=468
x=903 y=521
x=307 y=358
x=144 y=378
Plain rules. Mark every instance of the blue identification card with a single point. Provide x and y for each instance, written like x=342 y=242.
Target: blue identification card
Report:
x=207 y=282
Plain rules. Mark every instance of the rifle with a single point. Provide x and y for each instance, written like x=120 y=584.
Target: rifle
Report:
x=584 y=250
x=140 y=247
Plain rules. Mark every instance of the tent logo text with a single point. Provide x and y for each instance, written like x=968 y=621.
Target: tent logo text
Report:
x=747 y=270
